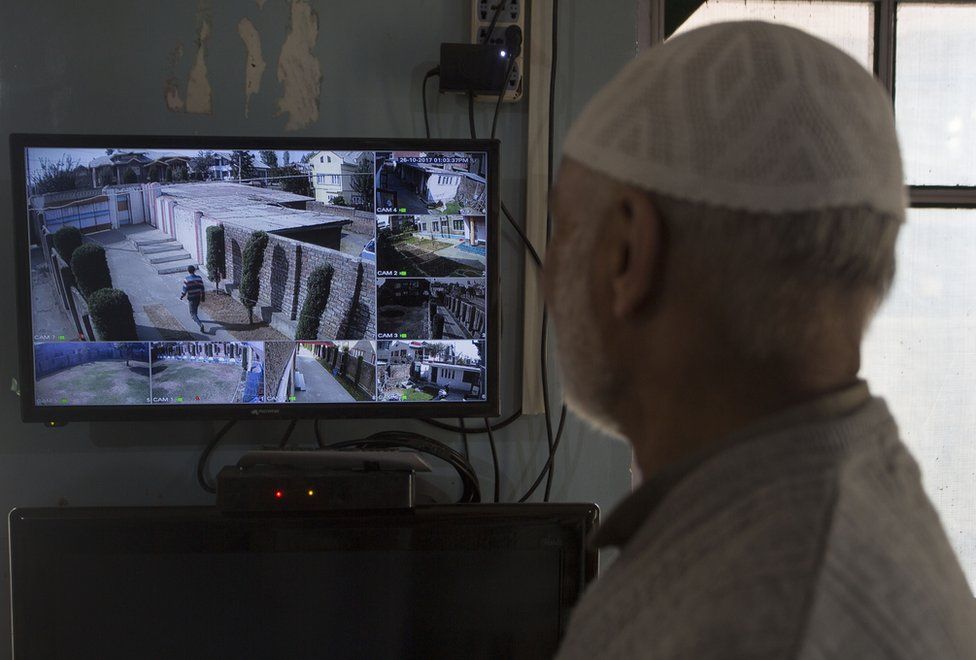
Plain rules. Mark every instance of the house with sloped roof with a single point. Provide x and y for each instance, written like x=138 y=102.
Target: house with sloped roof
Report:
x=333 y=173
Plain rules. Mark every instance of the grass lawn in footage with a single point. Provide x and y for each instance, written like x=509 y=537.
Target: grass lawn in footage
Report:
x=102 y=383
x=425 y=257
x=195 y=381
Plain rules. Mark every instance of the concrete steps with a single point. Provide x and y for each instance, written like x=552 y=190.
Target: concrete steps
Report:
x=166 y=258
x=156 y=240
x=169 y=269
x=159 y=249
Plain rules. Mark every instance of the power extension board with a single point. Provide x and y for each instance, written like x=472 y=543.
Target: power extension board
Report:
x=513 y=13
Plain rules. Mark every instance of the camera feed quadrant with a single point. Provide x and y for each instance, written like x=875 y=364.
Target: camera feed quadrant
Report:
x=417 y=370
x=91 y=373
x=321 y=371
x=189 y=373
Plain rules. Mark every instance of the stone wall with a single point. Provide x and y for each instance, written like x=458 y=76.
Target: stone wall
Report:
x=277 y=359
x=361 y=374
x=350 y=312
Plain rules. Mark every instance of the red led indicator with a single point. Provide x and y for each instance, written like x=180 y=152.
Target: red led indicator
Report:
x=278 y=494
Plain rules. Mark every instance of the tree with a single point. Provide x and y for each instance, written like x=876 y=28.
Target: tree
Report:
x=251 y=275
x=242 y=165
x=201 y=164
x=54 y=176
x=111 y=314
x=90 y=268
x=339 y=200
x=66 y=241
x=319 y=288
x=270 y=158
x=295 y=180
x=362 y=182
x=216 y=255
x=286 y=159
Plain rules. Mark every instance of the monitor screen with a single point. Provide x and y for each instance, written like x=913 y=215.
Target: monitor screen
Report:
x=436 y=582
x=167 y=276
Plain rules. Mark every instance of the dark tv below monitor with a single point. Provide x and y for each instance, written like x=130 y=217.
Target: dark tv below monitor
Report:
x=330 y=277
x=496 y=581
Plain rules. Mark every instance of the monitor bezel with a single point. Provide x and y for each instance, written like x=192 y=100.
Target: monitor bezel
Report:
x=30 y=412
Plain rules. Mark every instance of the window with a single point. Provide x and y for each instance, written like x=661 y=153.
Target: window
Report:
x=847 y=25
x=321 y=159
x=935 y=93
x=320 y=179
x=920 y=351
x=458 y=224
x=335 y=179
x=329 y=158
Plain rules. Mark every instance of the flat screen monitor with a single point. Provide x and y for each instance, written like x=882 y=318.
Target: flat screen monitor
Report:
x=493 y=581
x=165 y=277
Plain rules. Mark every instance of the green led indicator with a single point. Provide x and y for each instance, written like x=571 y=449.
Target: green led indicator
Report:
x=403 y=209
x=403 y=335
x=293 y=398
x=179 y=398
x=64 y=401
x=61 y=337
x=403 y=273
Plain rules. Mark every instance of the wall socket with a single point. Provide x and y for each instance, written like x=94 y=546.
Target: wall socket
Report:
x=512 y=14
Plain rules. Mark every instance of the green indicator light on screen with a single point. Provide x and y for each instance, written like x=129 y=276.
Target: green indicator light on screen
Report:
x=64 y=401
x=403 y=210
x=179 y=398
x=293 y=398
x=403 y=335
x=61 y=337
x=403 y=273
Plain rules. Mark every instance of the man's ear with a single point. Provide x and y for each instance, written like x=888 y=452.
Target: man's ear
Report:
x=638 y=265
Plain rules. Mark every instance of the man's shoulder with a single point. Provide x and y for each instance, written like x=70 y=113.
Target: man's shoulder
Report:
x=805 y=563
x=890 y=584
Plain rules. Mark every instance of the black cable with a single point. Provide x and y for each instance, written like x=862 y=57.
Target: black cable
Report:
x=205 y=455
x=474 y=135
x=471 y=491
x=494 y=19
x=288 y=431
x=318 y=434
x=545 y=401
x=525 y=239
x=552 y=455
x=501 y=93
x=457 y=429
x=464 y=439
x=494 y=461
x=436 y=71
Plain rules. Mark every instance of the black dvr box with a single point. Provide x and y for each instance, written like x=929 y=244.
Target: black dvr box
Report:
x=262 y=488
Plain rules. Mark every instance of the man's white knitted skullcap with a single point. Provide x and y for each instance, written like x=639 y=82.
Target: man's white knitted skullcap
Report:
x=746 y=115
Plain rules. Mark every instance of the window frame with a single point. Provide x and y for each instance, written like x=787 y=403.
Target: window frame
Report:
x=885 y=49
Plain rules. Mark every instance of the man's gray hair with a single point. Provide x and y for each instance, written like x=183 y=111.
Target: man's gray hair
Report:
x=777 y=282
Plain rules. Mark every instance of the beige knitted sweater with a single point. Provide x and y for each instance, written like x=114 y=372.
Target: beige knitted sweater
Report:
x=808 y=538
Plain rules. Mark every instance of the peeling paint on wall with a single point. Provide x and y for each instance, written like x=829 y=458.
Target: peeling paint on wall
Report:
x=254 y=65
x=298 y=69
x=199 y=98
x=171 y=88
x=198 y=94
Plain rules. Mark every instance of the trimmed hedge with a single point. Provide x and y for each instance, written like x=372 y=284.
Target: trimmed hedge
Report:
x=251 y=271
x=111 y=314
x=90 y=269
x=319 y=288
x=216 y=256
x=66 y=241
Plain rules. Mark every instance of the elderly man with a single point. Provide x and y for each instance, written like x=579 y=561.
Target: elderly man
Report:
x=725 y=223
